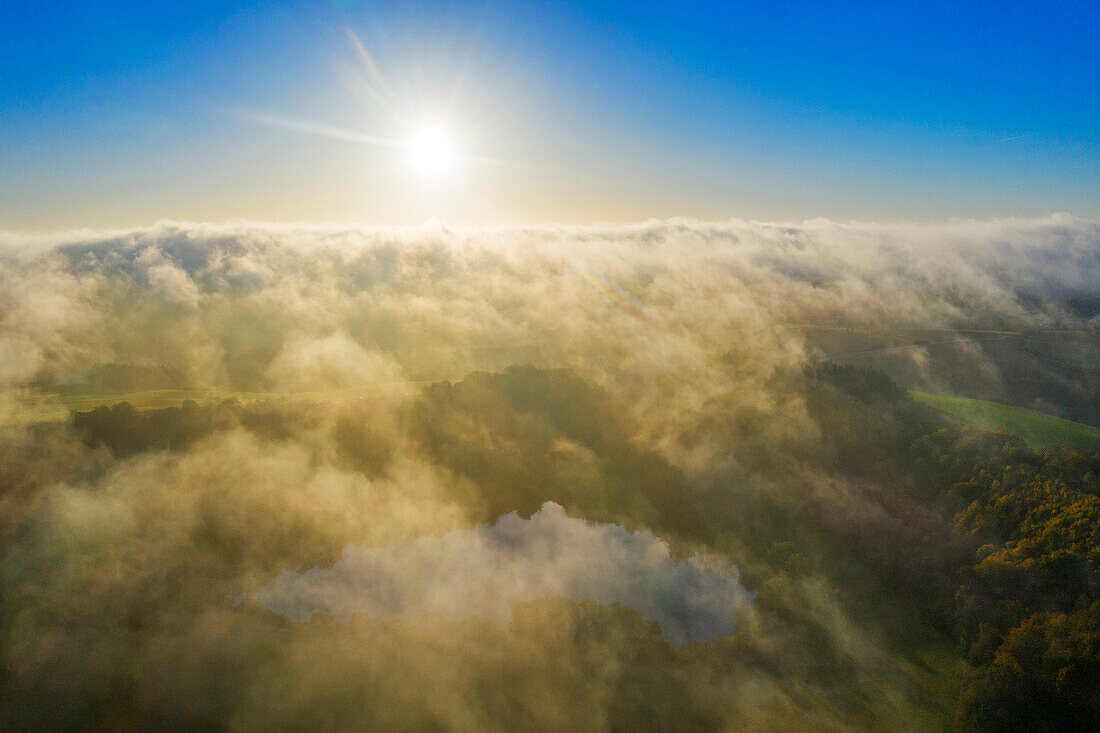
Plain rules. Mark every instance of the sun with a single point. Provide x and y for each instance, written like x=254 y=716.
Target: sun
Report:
x=431 y=152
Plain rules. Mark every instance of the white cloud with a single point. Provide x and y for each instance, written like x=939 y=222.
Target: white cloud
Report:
x=487 y=570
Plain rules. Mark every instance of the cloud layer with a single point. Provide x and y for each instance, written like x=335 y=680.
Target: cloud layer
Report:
x=655 y=311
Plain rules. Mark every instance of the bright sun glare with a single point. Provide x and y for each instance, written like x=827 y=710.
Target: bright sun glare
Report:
x=431 y=152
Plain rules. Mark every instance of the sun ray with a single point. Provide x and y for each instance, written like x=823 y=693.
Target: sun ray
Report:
x=373 y=83
x=315 y=128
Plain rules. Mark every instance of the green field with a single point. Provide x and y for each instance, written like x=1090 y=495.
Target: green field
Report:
x=1035 y=428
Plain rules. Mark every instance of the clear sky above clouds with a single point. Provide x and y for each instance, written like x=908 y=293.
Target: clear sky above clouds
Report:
x=124 y=113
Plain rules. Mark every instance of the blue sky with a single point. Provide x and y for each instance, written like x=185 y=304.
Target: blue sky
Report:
x=124 y=113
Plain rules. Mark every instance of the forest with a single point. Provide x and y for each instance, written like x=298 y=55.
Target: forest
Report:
x=997 y=549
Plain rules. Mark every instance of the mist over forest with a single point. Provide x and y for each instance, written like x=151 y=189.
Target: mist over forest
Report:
x=677 y=475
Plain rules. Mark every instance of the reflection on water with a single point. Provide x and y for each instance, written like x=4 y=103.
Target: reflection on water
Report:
x=485 y=571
